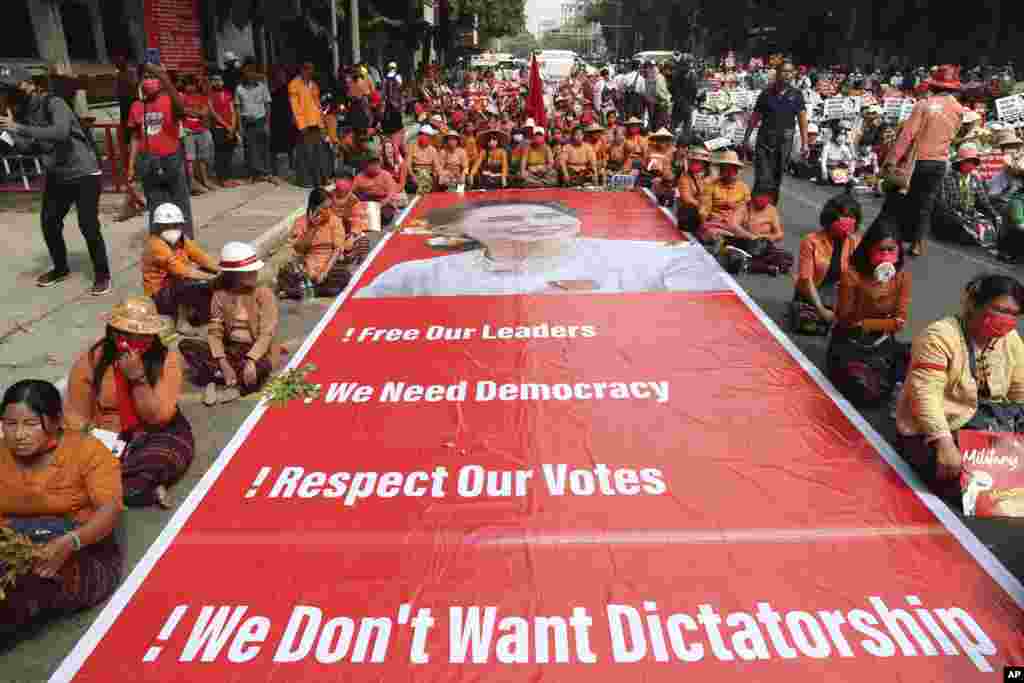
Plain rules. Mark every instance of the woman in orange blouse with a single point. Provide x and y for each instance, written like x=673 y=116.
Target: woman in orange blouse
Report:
x=658 y=166
x=127 y=385
x=321 y=242
x=635 y=145
x=824 y=259
x=874 y=301
x=691 y=190
x=63 y=489
x=491 y=167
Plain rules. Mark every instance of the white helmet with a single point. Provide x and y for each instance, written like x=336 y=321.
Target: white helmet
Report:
x=168 y=213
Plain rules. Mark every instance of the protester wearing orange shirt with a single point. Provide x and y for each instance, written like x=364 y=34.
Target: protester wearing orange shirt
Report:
x=723 y=200
x=578 y=162
x=491 y=167
x=873 y=305
x=321 y=242
x=176 y=271
x=453 y=163
x=824 y=259
x=304 y=94
x=375 y=184
x=64 y=484
x=129 y=384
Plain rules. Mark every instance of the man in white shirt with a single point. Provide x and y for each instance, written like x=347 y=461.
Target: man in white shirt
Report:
x=533 y=247
x=599 y=89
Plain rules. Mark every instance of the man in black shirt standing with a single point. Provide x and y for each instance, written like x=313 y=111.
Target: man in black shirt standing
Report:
x=778 y=109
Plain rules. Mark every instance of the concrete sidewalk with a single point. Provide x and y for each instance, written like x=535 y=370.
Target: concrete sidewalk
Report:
x=42 y=331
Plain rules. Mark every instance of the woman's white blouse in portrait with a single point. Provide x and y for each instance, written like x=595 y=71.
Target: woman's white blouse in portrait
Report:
x=536 y=249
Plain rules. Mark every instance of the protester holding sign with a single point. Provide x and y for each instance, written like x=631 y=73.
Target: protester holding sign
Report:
x=64 y=489
x=960 y=366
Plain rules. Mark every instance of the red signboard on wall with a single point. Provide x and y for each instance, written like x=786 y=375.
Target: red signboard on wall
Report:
x=174 y=27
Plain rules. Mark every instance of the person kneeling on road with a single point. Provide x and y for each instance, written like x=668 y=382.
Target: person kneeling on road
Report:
x=966 y=372
x=864 y=360
x=176 y=272
x=963 y=210
x=691 y=190
x=824 y=258
x=243 y=324
x=723 y=202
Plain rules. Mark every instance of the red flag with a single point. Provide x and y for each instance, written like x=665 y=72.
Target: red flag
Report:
x=535 y=99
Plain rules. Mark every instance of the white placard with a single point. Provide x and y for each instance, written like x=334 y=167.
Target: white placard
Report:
x=891 y=108
x=719 y=143
x=1010 y=108
x=718 y=99
x=111 y=440
x=835 y=108
x=706 y=122
x=906 y=109
x=746 y=99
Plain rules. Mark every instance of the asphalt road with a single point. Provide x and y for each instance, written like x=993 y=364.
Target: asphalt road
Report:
x=938 y=279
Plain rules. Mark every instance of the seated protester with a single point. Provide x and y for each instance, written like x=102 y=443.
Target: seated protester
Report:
x=366 y=145
x=129 y=384
x=657 y=171
x=760 y=233
x=393 y=163
x=1011 y=237
x=723 y=200
x=453 y=162
x=64 y=481
x=240 y=339
x=960 y=366
x=176 y=272
x=374 y=185
x=593 y=135
x=679 y=157
x=490 y=172
x=824 y=258
x=320 y=243
x=838 y=163
x=616 y=151
x=864 y=360
x=423 y=162
x=578 y=162
x=469 y=143
x=635 y=144
x=691 y=189
x=539 y=164
x=352 y=212
x=963 y=210
x=516 y=156
x=807 y=167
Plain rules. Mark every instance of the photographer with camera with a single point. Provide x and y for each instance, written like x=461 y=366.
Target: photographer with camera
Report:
x=157 y=158
x=44 y=126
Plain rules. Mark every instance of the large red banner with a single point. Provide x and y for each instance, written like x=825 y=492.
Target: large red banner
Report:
x=632 y=479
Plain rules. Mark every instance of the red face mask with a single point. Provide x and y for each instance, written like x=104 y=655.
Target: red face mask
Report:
x=423 y=141
x=878 y=257
x=967 y=167
x=124 y=345
x=760 y=202
x=994 y=325
x=842 y=228
x=696 y=167
x=150 y=87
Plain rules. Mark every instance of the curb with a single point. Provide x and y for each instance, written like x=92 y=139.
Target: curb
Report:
x=264 y=245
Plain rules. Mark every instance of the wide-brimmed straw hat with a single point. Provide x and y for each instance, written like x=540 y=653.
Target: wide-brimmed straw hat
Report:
x=633 y=121
x=662 y=134
x=484 y=136
x=946 y=76
x=729 y=158
x=452 y=134
x=1005 y=137
x=137 y=315
x=968 y=152
x=594 y=128
x=239 y=257
x=698 y=154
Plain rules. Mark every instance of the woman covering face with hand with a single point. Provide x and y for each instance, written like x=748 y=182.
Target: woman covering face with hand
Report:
x=128 y=385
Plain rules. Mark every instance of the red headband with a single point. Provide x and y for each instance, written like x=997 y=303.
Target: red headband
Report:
x=240 y=264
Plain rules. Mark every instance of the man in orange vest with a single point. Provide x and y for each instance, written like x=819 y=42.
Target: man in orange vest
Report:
x=304 y=95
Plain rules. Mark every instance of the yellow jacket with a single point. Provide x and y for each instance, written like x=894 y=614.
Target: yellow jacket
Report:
x=940 y=395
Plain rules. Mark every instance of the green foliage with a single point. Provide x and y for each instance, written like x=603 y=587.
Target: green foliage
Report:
x=18 y=555
x=497 y=17
x=289 y=386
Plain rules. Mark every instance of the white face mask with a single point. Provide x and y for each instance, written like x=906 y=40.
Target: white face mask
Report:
x=885 y=272
x=172 y=237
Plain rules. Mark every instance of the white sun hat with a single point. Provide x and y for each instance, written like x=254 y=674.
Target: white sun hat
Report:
x=168 y=214
x=239 y=257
